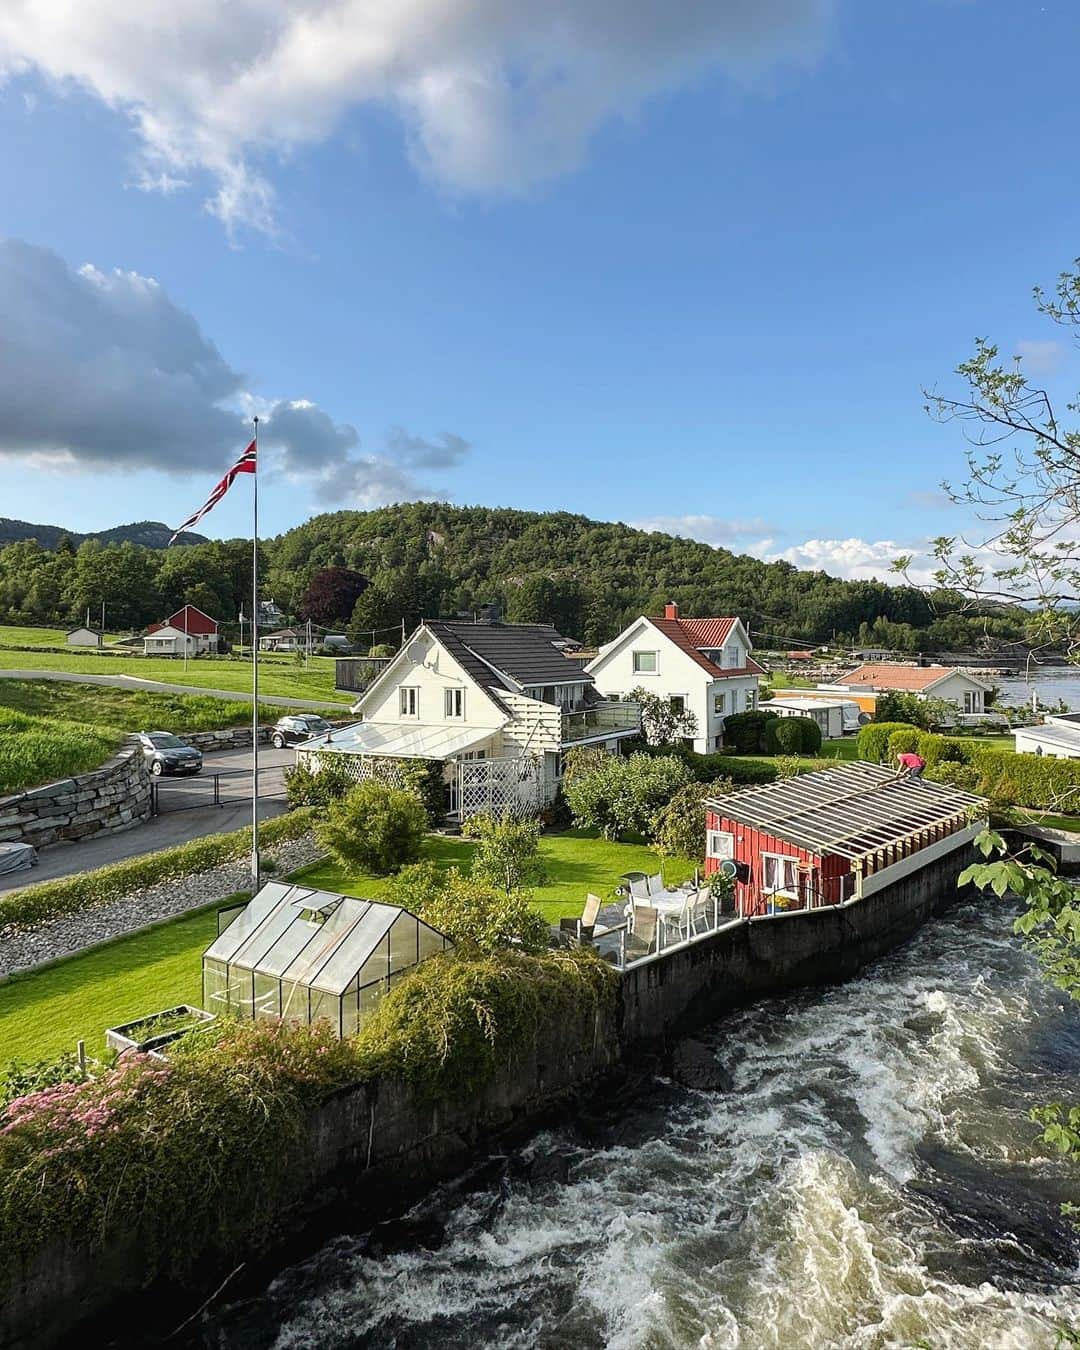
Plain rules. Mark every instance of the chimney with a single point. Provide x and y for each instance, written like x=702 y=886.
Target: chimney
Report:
x=671 y=610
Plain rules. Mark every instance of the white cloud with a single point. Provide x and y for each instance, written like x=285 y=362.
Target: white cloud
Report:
x=1040 y=357
x=853 y=558
x=494 y=95
x=103 y=371
x=712 y=530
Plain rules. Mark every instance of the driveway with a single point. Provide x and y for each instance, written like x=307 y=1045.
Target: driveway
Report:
x=160 y=687
x=185 y=812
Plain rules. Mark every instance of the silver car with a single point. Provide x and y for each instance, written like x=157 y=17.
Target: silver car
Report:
x=167 y=753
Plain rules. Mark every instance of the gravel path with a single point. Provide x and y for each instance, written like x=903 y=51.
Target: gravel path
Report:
x=24 y=947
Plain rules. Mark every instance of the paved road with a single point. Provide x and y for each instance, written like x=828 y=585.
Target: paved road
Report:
x=159 y=686
x=172 y=825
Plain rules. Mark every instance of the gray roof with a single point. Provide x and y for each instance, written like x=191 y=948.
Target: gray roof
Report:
x=852 y=810
x=524 y=651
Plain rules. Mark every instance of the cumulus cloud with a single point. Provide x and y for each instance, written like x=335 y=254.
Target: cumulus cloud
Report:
x=103 y=371
x=711 y=529
x=493 y=95
x=853 y=558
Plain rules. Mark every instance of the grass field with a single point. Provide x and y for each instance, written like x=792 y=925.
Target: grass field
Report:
x=11 y=636
x=50 y=731
x=47 y=1011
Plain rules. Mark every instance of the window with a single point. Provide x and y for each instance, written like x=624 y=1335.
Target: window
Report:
x=719 y=703
x=779 y=874
x=410 y=701
x=721 y=844
x=678 y=703
x=646 y=663
x=751 y=699
x=734 y=657
x=455 y=702
x=718 y=742
x=971 y=701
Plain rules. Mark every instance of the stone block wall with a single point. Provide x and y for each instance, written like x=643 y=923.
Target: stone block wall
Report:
x=113 y=797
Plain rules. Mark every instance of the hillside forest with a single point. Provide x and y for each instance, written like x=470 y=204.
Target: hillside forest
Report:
x=364 y=572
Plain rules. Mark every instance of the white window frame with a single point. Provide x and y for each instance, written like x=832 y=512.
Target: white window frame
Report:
x=780 y=858
x=683 y=700
x=454 y=703
x=719 y=703
x=751 y=699
x=715 y=848
x=409 y=700
x=634 y=662
x=732 y=659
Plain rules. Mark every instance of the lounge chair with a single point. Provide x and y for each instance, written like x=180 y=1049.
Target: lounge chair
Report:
x=585 y=928
x=643 y=932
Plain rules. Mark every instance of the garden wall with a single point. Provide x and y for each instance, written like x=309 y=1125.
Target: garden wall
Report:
x=114 y=797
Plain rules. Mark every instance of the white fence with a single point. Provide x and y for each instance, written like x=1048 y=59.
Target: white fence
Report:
x=503 y=786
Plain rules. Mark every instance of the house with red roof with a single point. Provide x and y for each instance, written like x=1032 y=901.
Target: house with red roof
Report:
x=189 y=631
x=702 y=665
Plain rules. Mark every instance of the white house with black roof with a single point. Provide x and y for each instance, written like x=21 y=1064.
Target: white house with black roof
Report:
x=498 y=703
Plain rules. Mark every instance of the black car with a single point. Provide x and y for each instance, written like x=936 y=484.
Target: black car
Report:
x=301 y=727
x=167 y=753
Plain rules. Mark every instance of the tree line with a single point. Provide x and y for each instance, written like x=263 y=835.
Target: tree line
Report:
x=368 y=571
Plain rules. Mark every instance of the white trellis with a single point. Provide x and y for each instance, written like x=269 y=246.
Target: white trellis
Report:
x=358 y=767
x=501 y=786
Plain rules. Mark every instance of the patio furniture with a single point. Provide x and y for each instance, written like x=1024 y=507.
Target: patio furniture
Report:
x=642 y=932
x=585 y=928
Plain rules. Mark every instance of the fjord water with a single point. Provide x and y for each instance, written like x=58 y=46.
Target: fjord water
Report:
x=871 y=1181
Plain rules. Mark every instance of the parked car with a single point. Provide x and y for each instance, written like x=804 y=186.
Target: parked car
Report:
x=167 y=753
x=301 y=727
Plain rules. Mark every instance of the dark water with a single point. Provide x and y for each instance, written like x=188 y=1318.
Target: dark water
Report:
x=1050 y=685
x=873 y=1181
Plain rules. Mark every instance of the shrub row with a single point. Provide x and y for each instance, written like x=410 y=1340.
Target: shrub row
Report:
x=707 y=768
x=68 y=895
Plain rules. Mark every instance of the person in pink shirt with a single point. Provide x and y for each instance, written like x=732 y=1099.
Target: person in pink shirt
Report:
x=911 y=763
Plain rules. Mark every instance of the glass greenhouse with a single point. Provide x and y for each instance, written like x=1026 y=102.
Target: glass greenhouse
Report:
x=293 y=952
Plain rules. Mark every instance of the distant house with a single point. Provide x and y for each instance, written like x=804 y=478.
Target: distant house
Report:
x=165 y=640
x=498 y=705
x=84 y=637
x=702 y=665
x=875 y=654
x=270 y=615
x=798 y=656
x=955 y=686
x=835 y=717
x=1057 y=738
x=284 y=640
x=192 y=622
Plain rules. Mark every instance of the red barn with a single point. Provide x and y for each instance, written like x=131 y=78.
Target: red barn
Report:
x=835 y=835
x=194 y=622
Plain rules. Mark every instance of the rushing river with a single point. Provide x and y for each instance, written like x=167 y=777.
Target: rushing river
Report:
x=872 y=1181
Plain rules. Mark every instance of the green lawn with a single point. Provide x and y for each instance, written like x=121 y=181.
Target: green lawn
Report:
x=282 y=676
x=12 y=636
x=1070 y=823
x=45 y=1012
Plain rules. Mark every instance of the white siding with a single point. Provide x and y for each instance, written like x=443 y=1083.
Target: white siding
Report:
x=425 y=666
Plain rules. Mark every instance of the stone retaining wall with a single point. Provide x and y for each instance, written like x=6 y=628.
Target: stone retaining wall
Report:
x=114 y=797
x=231 y=738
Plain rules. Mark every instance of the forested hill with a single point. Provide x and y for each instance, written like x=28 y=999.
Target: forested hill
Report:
x=591 y=577
x=148 y=533
x=361 y=571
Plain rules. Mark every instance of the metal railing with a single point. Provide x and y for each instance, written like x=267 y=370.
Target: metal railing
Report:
x=596 y=721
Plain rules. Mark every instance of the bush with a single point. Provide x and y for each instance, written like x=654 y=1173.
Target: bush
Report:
x=872 y=742
x=746 y=732
x=318 y=785
x=480 y=917
x=68 y=895
x=622 y=795
x=507 y=851
x=329 y=779
x=374 y=827
x=904 y=742
x=704 y=768
x=793 y=736
x=678 y=829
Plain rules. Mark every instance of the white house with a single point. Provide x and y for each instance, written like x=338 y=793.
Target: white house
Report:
x=833 y=716
x=84 y=637
x=1057 y=738
x=498 y=704
x=702 y=665
x=946 y=682
x=166 y=640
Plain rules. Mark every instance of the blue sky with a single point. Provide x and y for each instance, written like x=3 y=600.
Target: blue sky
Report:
x=676 y=270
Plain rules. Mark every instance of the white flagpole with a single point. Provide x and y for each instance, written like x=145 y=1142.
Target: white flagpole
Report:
x=255 y=672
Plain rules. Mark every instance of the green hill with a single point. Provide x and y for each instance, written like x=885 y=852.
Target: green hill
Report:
x=148 y=533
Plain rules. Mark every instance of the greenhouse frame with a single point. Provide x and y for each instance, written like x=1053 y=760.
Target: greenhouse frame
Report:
x=302 y=955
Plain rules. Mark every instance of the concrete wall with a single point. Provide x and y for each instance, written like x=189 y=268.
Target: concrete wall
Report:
x=114 y=797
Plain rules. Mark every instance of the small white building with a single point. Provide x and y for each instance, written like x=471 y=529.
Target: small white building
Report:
x=834 y=717
x=702 y=665
x=497 y=704
x=84 y=637
x=1057 y=738
x=170 y=641
x=945 y=682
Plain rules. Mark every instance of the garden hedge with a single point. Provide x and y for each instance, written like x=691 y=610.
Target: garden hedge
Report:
x=872 y=742
x=792 y=736
x=67 y=895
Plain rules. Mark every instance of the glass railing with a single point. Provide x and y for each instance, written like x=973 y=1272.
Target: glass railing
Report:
x=604 y=718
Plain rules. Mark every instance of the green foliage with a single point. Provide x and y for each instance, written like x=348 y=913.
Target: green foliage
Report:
x=374 y=826
x=68 y=895
x=480 y=917
x=620 y=796
x=747 y=732
x=872 y=741
x=792 y=736
x=452 y=1021
x=661 y=723
x=904 y=742
x=678 y=829
x=507 y=851
x=19 y=1080
x=318 y=786
x=34 y=750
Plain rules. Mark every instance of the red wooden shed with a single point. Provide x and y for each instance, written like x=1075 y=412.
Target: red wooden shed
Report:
x=832 y=836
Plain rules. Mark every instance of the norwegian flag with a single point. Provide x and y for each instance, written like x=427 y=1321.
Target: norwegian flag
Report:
x=245 y=464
